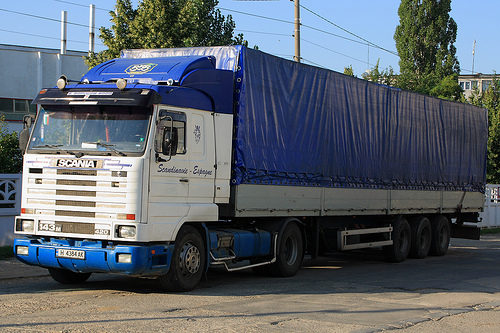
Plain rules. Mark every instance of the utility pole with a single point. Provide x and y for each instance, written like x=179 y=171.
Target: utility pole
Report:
x=473 y=55
x=91 y=28
x=297 y=30
x=64 y=31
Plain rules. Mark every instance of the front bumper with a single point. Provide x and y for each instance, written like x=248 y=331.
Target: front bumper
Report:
x=145 y=259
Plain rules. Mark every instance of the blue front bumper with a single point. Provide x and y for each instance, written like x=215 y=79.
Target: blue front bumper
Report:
x=145 y=259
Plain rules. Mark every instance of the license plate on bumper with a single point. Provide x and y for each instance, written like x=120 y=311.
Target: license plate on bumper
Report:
x=71 y=254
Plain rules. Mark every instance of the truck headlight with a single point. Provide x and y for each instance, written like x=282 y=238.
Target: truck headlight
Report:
x=126 y=231
x=25 y=225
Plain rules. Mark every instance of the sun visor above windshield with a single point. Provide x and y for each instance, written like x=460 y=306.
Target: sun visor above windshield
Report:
x=148 y=70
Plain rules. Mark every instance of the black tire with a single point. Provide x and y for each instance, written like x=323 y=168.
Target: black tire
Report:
x=68 y=277
x=401 y=237
x=188 y=262
x=420 y=237
x=290 y=252
x=441 y=234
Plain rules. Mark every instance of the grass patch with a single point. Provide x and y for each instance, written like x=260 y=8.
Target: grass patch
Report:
x=490 y=231
x=6 y=252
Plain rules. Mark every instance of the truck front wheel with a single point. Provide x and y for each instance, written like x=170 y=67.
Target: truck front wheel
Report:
x=68 y=277
x=290 y=252
x=188 y=261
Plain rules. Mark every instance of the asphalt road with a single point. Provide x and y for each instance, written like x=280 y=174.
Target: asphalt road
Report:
x=348 y=292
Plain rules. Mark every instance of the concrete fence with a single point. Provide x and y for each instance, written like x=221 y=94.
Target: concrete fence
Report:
x=491 y=215
x=10 y=206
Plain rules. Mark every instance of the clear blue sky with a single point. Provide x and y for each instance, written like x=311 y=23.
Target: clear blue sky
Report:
x=270 y=26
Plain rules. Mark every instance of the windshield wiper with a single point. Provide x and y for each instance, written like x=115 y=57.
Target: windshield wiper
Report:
x=59 y=149
x=108 y=146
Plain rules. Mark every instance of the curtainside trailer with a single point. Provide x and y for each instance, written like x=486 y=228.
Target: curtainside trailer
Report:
x=166 y=162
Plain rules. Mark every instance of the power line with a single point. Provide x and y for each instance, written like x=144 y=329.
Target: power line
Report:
x=345 y=55
x=79 y=4
x=261 y=32
x=255 y=15
x=47 y=37
x=43 y=18
x=347 y=31
x=316 y=29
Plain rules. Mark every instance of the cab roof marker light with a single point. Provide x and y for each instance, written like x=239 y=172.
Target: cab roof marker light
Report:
x=62 y=82
x=121 y=84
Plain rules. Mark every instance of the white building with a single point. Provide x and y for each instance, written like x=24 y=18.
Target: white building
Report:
x=478 y=81
x=25 y=71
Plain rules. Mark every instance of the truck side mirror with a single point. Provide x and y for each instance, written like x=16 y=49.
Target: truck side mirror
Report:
x=170 y=141
x=24 y=135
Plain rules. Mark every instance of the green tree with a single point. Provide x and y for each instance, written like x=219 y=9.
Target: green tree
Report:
x=490 y=99
x=11 y=158
x=349 y=71
x=448 y=88
x=163 y=24
x=425 y=40
x=385 y=76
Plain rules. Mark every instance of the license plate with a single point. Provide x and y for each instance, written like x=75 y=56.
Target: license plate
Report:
x=71 y=254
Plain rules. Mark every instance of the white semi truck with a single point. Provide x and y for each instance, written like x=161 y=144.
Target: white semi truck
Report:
x=166 y=162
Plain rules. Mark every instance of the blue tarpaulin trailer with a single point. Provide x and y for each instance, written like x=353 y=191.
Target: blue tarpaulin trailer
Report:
x=167 y=161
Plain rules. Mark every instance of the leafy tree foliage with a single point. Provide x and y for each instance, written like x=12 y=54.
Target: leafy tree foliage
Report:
x=349 y=71
x=163 y=24
x=447 y=88
x=490 y=99
x=425 y=40
x=386 y=76
x=11 y=158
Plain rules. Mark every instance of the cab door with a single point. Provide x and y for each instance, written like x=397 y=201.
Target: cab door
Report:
x=169 y=173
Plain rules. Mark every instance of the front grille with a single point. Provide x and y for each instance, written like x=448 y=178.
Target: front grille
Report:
x=75 y=228
x=76 y=193
x=75 y=214
x=76 y=182
x=75 y=203
x=77 y=172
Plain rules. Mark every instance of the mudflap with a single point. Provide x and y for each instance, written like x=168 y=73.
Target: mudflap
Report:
x=465 y=231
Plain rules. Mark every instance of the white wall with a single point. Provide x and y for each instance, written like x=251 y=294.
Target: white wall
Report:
x=26 y=70
x=10 y=193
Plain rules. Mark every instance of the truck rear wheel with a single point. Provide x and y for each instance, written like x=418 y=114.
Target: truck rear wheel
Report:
x=290 y=252
x=420 y=237
x=188 y=262
x=68 y=277
x=401 y=237
x=440 y=235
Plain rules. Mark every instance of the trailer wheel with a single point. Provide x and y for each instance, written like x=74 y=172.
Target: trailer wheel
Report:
x=441 y=234
x=188 y=261
x=290 y=252
x=401 y=237
x=420 y=237
x=68 y=277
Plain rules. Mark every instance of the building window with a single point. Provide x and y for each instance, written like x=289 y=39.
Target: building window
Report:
x=486 y=85
x=15 y=109
x=474 y=84
x=462 y=84
x=467 y=85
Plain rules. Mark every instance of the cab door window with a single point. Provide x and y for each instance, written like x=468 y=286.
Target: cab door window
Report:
x=171 y=133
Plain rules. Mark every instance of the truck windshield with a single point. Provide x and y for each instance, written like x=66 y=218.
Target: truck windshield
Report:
x=91 y=130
